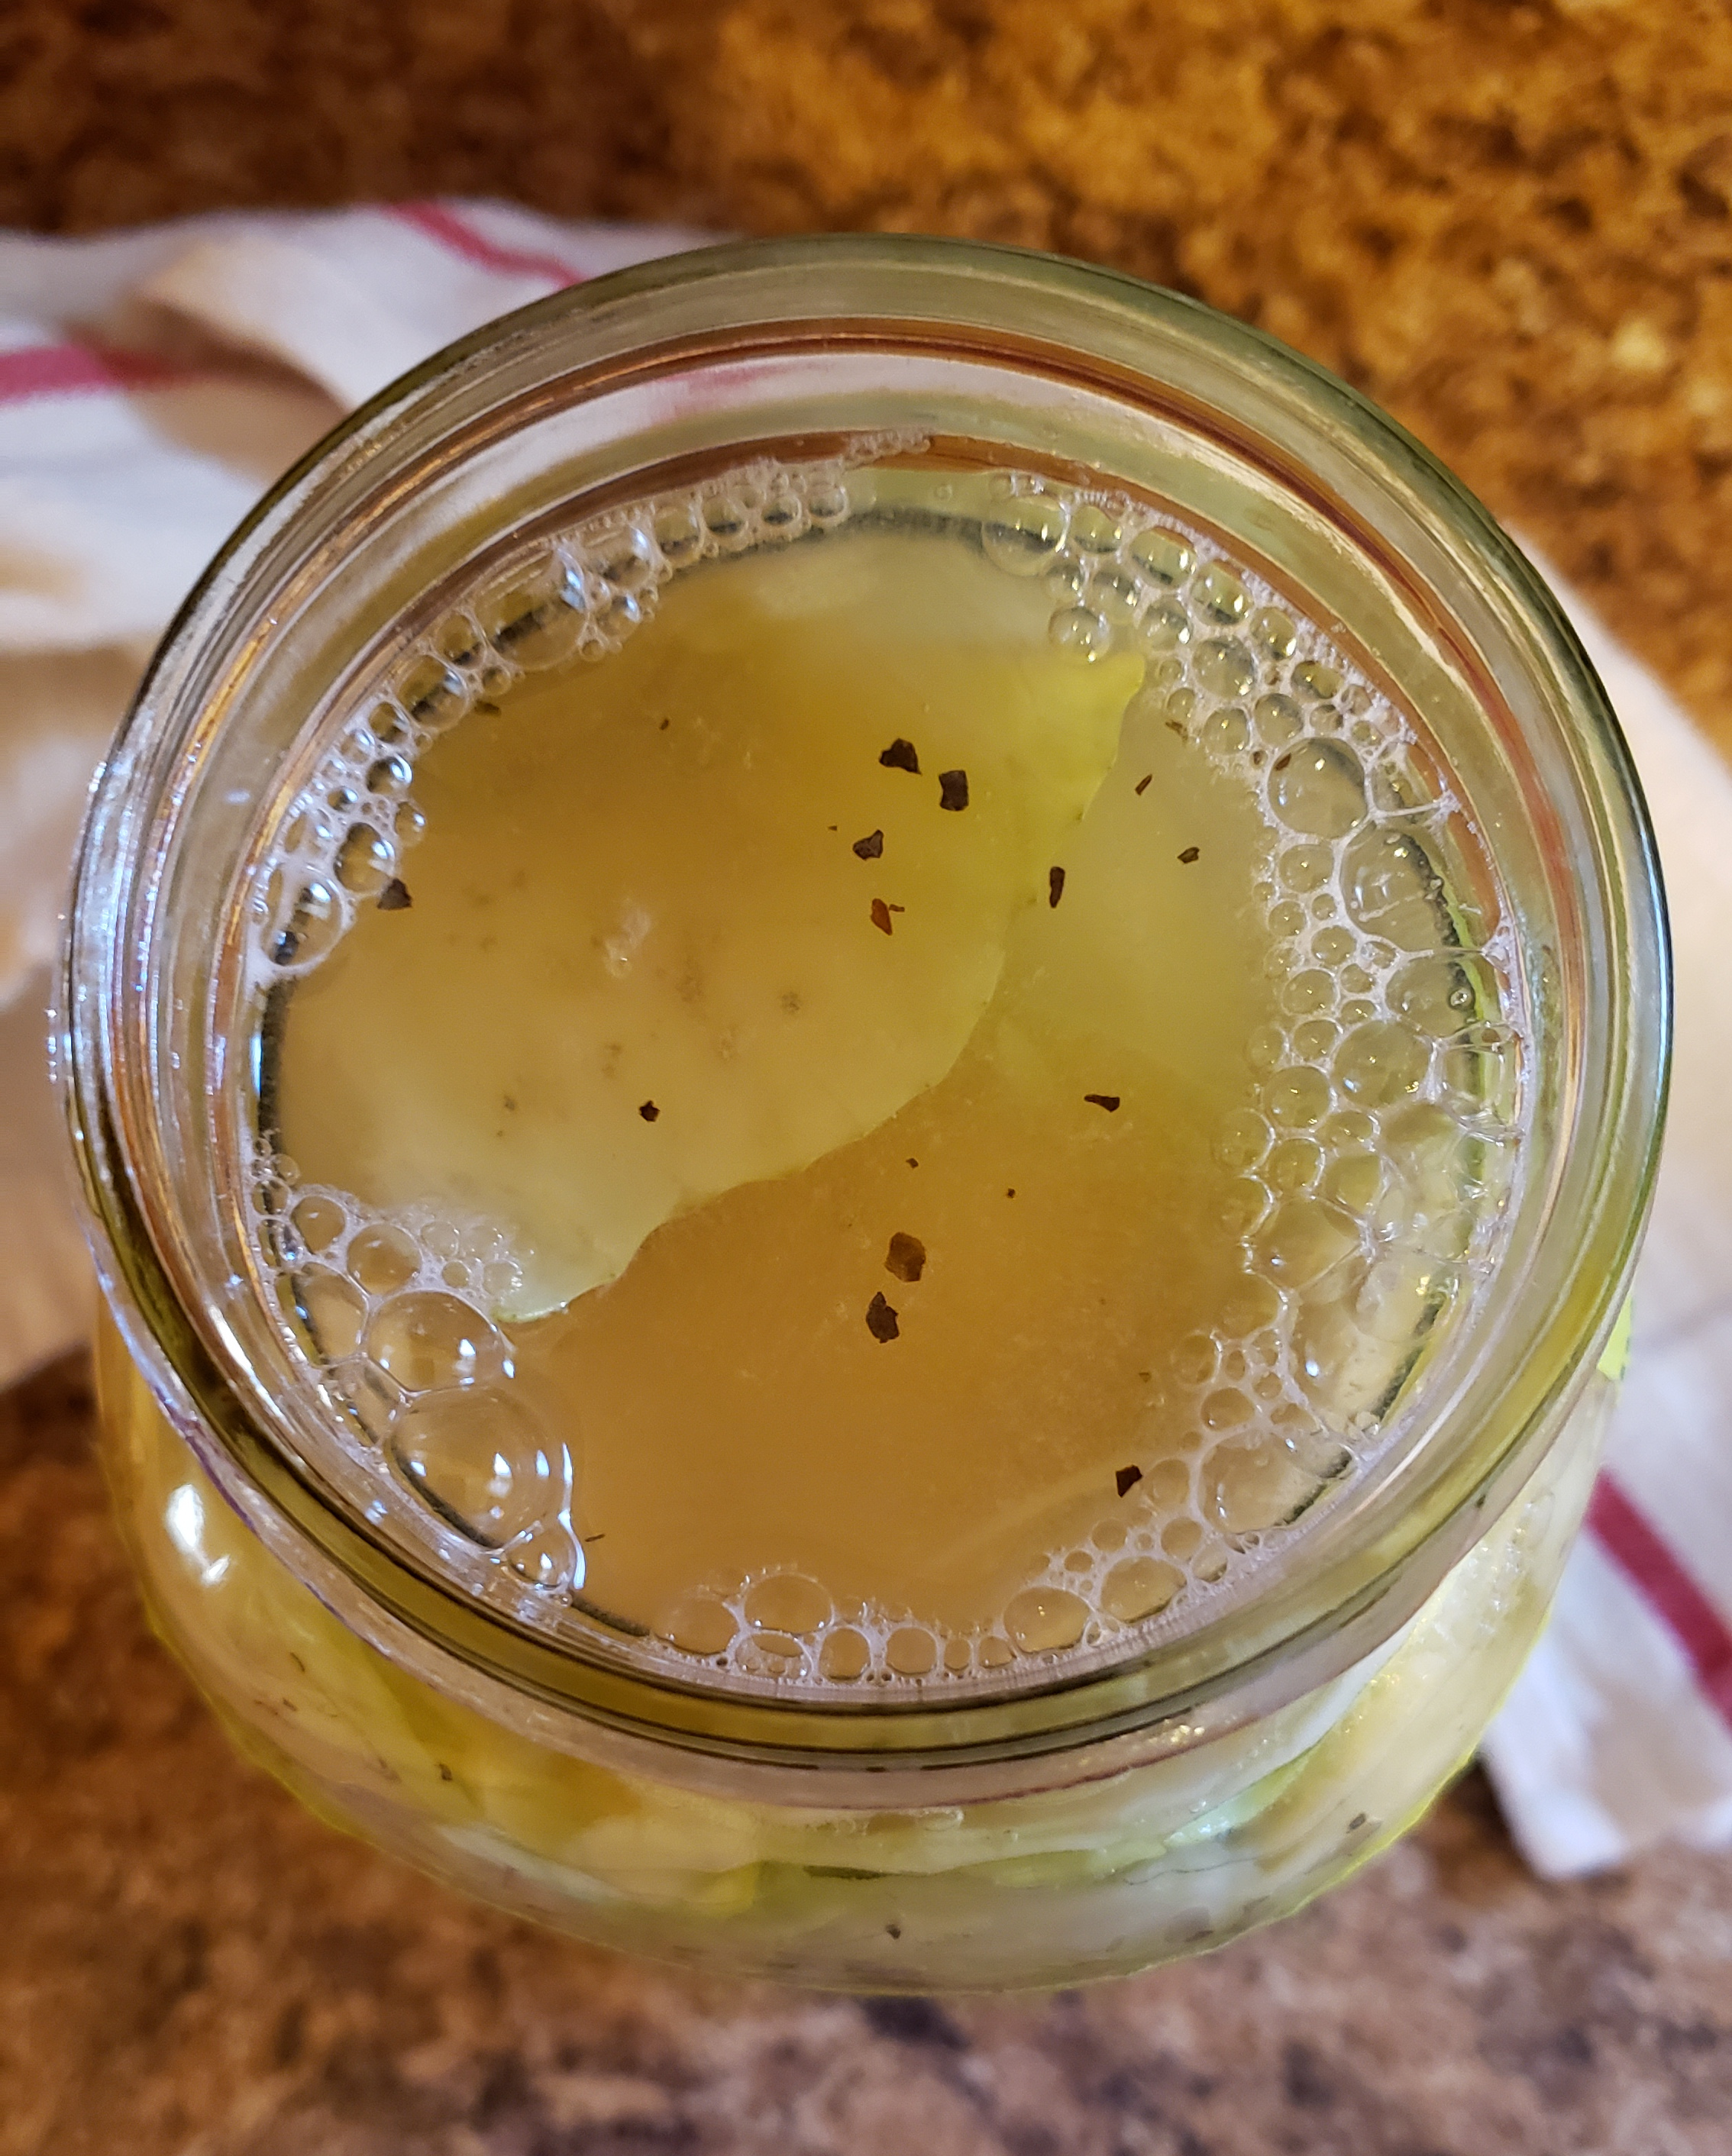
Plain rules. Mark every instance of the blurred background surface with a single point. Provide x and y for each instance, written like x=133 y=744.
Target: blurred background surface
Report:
x=1510 y=224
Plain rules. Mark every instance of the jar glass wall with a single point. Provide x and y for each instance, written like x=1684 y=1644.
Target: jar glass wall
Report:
x=1063 y=1807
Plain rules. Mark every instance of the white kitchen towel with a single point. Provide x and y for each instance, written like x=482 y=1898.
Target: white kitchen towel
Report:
x=152 y=382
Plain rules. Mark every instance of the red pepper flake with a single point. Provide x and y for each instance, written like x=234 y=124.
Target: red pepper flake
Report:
x=1126 y=1478
x=1190 y=855
x=395 y=898
x=870 y=847
x=1054 y=886
x=881 y=915
x=906 y=1260
x=1109 y=1101
x=1143 y=783
x=880 y=1320
x=900 y=755
x=649 y=1112
x=953 y=789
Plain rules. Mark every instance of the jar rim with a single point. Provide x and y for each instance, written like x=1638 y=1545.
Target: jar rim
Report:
x=852 y=290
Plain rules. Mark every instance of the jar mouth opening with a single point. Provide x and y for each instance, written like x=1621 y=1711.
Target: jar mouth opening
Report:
x=648 y=335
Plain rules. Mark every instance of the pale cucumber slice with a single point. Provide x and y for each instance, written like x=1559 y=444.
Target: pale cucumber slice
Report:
x=644 y=961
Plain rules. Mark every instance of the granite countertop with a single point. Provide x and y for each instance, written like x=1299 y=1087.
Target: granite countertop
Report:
x=1510 y=222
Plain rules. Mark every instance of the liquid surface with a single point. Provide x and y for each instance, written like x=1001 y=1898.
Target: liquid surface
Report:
x=912 y=1117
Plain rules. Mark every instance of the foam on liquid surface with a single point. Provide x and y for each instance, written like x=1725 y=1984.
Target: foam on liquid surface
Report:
x=858 y=1223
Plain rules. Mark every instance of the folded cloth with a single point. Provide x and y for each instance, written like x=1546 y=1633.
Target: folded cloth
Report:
x=150 y=384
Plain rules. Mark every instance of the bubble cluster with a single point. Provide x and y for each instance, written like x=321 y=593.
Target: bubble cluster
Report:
x=577 y=596
x=388 y=1311
x=1372 y=1169
x=1369 y=1165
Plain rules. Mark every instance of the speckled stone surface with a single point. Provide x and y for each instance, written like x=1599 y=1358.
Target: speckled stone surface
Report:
x=192 y=1966
x=1509 y=222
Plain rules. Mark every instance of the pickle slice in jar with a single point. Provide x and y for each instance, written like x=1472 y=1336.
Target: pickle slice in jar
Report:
x=697 y=916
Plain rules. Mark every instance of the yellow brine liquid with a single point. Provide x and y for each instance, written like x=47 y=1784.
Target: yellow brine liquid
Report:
x=871 y=1074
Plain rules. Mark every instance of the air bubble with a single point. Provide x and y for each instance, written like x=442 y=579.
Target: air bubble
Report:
x=1297 y=1096
x=1094 y=530
x=1317 y=788
x=1242 y=1140
x=1041 y=1621
x=1379 y=1064
x=1307 y=994
x=477 y=1457
x=391 y=776
x=1024 y=534
x=727 y=520
x=1163 y=556
x=428 y=1340
x=1293 y=1165
x=548 y=1560
x=432 y=694
x=1226 y=733
x=1224 y=669
x=678 y=532
x=1219 y=594
x=1393 y=889
x=1116 y=595
x=408 y=824
x=536 y=617
x=1305 y=1239
x=1077 y=629
x=1314 y=680
x=320 y=1220
x=1167 y=1485
x=845 y=1655
x=911 y=1652
x=1273 y=633
x=1139 y=1588
x=330 y=1310
x=788 y=1602
x=1441 y=996
x=702 y=1626
x=367 y=862
x=1165 y=627
x=625 y=558
x=458 y=640
x=1250 y=1488
x=382 y=1258
x=1279 y=720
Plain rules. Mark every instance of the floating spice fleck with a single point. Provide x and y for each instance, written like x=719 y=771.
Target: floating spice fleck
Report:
x=907 y=1257
x=881 y=915
x=1010 y=1193
x=511 y=1106
x=1126 y=1478
x=1190 y=855
x=912 y=1163
x=1143 y=783
x=649 y=1111
x=870 y=847
x=900 y=755
x=953 y=789
x=1109 y=1101
x=1176 y=727
x=880 y=1319
x=1356 y=1822
x=395 y=898
x=1054 y=886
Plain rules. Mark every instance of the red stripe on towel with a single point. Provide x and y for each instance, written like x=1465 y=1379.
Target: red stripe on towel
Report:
x=71 y=370
x=1634 y=1545
x=459 y=236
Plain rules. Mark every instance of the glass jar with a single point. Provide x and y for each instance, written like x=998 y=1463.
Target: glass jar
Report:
x=1076 y=1816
